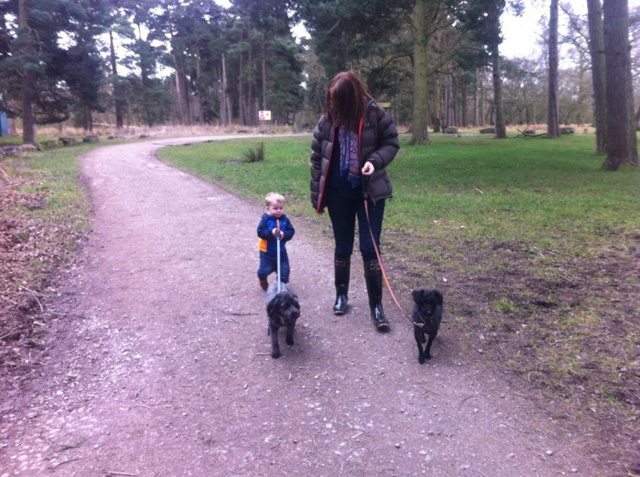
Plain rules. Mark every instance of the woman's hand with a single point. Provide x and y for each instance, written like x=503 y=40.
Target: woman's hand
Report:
x=368 y=169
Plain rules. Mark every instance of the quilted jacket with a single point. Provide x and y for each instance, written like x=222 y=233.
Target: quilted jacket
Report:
x=379 y=145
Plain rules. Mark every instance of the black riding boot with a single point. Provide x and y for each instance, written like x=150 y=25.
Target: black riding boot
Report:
x=373 y=278
x=342 y=267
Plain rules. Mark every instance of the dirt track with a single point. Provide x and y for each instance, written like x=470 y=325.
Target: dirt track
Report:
x=160 y=366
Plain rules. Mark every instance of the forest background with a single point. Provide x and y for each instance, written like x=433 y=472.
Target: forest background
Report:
x=122 y=63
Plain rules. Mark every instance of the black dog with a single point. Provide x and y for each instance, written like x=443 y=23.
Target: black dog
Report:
x=283 y=309
x=427 y=315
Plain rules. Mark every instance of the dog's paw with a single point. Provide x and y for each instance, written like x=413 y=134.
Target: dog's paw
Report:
x=275 y=354
x=421 y=359
x=427 y=356
x=289 y=341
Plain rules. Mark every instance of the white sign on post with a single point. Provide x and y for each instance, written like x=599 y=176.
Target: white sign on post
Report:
x=264 y=115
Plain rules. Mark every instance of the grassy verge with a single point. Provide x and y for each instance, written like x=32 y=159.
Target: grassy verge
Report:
x=44 y=211
x=17 y=140
x=531 y=190
x=535 y=247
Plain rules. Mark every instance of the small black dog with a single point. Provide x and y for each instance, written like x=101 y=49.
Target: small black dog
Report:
x=283 y=309
x=426 y=316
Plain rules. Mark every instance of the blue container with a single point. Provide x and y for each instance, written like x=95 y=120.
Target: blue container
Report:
x=4 y=124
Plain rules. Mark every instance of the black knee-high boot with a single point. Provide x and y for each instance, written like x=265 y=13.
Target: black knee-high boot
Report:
x=342 y=268
x=373 y=278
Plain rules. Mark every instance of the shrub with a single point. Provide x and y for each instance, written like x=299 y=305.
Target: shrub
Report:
x=255 y=154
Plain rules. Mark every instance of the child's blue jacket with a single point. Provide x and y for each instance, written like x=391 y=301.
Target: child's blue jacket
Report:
x=268 y=243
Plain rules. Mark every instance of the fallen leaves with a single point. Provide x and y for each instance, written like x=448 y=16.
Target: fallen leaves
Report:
x=34 y=242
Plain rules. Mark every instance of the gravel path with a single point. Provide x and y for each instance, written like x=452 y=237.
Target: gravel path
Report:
x=159 y=362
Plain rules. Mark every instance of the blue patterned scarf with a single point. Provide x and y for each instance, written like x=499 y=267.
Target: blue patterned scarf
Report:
x=349 y=156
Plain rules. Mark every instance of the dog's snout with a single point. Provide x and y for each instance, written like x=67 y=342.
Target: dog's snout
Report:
x=294 y=311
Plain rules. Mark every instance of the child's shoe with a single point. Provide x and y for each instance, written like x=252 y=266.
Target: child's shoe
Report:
x=264 y=284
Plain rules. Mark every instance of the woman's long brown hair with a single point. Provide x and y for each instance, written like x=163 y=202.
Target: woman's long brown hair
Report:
x=346 y=99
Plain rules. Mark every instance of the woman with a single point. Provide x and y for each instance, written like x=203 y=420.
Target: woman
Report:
x=353 y=143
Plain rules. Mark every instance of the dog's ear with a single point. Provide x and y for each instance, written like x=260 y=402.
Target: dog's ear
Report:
x=439 y=297
x=273 y=306
x=416 y=295
x=292 y=300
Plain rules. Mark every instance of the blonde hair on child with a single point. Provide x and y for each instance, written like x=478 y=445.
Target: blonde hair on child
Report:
x=273 y=197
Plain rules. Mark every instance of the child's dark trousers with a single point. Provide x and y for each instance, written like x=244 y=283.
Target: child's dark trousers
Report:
x=269 y=264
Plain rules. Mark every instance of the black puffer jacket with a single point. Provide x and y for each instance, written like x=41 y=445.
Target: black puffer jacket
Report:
x=378 y=145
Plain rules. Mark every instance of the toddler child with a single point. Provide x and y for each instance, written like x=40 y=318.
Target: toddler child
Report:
x=273 y=224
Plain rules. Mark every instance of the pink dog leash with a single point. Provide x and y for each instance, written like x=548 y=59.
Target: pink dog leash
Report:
x=384 y=272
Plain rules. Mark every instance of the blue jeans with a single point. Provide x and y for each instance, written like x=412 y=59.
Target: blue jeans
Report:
x=269 y=264
x=343 y=212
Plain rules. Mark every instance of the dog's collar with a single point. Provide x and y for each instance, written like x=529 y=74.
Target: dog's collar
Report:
x=419 y=325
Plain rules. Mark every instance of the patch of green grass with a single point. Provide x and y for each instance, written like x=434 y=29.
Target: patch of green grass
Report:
x=551 y=194
x=285 y=168
x=503 y=305
x=55 y=175
x=580 y=322
x=17 y=140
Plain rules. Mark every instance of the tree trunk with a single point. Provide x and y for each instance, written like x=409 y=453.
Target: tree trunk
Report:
x=116 y=83
x=476 y=97
x=28 y=119
x=533 y=114
x=241 y=112
x=144 y=79
x=176 y=81
x=222 y=100
x=250 y=109
x=501 y=130
x=226 y=101
x=553 y=128
x=463 y=112
x=419 y=125
x=483 y=112
x=582 y=96
x=596 y=49
x=198 y=115
x=181 y=87
x=494 y=52
x=436 y=104
x=88 y=119
x=621 y=134
x=263 y=54
x=446 y=108
x=451 y=101
x=598 y=73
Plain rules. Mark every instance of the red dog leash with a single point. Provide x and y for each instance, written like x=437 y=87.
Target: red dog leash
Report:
x=384 y=273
